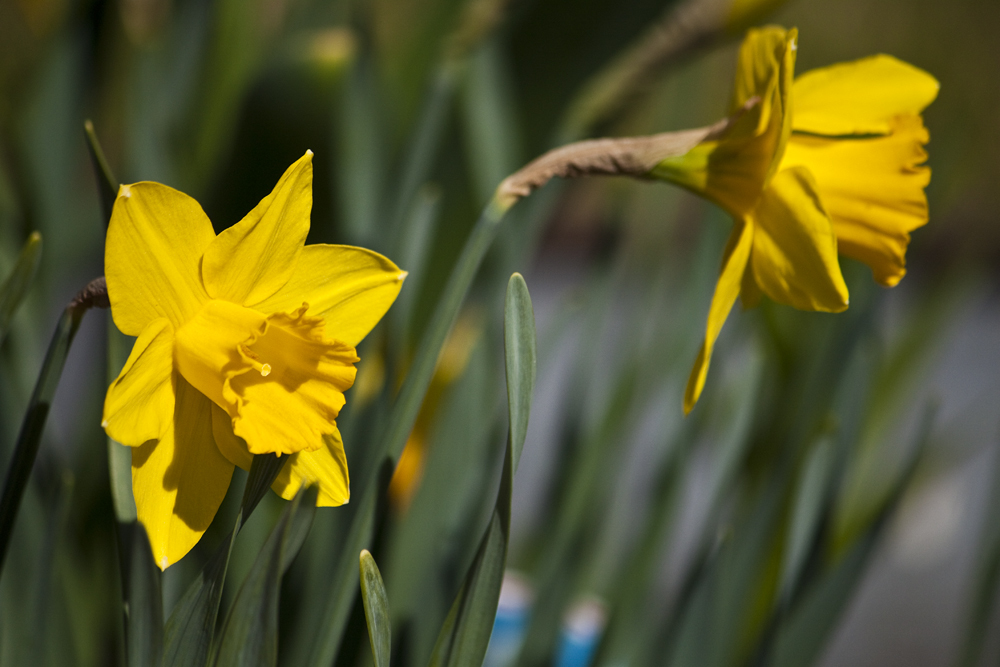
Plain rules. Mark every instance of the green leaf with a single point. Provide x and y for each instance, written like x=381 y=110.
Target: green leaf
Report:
x=107 y=184
x=191 y=627
x=119 y=456
x=401 y=419
x=29 y=437
x=360 y=170
x=376 y=609
x=466 y=632
x=811 y=503
x=250 y=633
x=818 y=610
x=520 y=359
x=144 y=601
x=15 y=287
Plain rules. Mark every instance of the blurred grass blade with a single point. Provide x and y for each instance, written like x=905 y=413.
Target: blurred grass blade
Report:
x=145 y=603
x=413 y=253
x=360 y=169
x=30 y=435
x=820 y=607
x=810 y=504
x=424 y=145
x=987 y=577
x=107 y=184
x=15 y=287
x=401 y=419
x=466 y=632
x=190 y=629
x=376 y=609
x=520 y=360
x=250 y=633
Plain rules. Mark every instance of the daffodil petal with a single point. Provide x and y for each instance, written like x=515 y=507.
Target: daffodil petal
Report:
x=140 y=404
x=327 y=467
x=155 y=241
x=231 y=446
x=207 y=351
x=180 y=480
x=794 y=256
x=873 y=189
x=726 y=290
x=254 y=258
x=294 y=404
x=860 y=97
x=350 y=288
x=765 y=68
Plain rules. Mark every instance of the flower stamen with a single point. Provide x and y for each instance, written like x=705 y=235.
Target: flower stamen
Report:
x=254 y=359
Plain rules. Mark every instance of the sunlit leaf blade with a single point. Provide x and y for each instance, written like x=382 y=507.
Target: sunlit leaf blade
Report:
x=249 y=635
x=144 y=631
x=520 y=359
x=107 y=184
x=29 y=437
x=190 y=629
x=466 y=632
x=376 y=609
x=16 y=285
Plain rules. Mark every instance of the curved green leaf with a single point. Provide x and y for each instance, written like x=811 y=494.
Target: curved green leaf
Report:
x=14 y=288
x=376 y=608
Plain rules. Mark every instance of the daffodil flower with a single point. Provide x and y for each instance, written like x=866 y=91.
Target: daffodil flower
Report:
x=246 y=345
x=830 y=162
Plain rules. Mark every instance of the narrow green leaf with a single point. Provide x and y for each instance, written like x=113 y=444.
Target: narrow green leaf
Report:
x=360 y=171
x=15 y=287
x=28 y=439
x=401 y=420
x=249 y=635
x=119 y=456
x=190 y=629
x=341 y=600
x=521 y=360
x=144 y=632
x=811 y=500
x=466 y=632
x=816 y=613
x=107 y=184
x=376 y=609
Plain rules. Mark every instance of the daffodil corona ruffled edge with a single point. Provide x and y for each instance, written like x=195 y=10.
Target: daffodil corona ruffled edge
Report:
x=828 y=163
x=246 y=345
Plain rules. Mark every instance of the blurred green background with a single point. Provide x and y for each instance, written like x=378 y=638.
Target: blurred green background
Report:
x=218 y=98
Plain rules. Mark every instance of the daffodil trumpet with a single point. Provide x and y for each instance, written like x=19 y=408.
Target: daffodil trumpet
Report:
x=245 y=345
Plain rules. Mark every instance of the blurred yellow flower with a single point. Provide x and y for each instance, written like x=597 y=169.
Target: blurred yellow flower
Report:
x=245 y=346
x=830 y=162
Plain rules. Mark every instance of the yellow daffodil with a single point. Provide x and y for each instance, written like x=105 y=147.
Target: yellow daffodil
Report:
x=245 y=346
x=830 y=162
